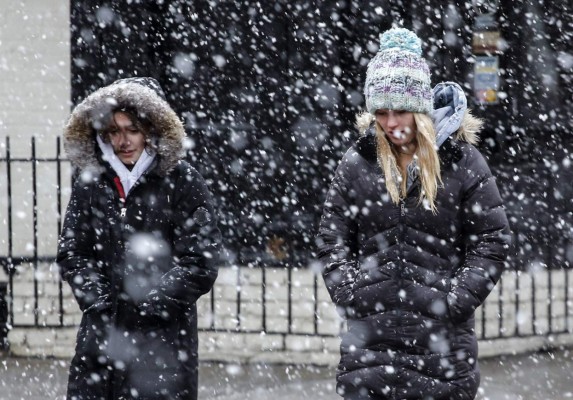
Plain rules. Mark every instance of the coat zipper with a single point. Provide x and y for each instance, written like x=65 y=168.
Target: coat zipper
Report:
x=112 y=389
x=401 y=222
x=401 y=242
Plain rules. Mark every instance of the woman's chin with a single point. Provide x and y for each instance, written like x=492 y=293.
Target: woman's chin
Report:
x=129 y=162
x=399 y=142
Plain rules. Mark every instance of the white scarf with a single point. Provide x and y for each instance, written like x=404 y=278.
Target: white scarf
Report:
x=127 y=177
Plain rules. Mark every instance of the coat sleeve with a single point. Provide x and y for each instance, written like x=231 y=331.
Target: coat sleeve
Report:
x=486 y=240
x=336 y=240
x=196 y=244
x=76 y=256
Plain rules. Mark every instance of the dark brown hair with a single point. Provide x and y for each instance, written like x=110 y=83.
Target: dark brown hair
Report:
x=142 y=124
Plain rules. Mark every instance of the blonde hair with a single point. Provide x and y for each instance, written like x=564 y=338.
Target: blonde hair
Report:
x=428 y=163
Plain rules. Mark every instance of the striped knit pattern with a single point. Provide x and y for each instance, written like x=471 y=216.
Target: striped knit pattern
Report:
x=398 y=77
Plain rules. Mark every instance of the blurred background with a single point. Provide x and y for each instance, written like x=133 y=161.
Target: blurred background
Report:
x=269 y=92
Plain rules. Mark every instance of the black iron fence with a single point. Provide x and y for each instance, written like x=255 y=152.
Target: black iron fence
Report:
x=530 y=300
x=10 y=260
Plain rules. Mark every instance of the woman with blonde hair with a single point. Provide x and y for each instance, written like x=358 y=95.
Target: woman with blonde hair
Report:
x=413 y=235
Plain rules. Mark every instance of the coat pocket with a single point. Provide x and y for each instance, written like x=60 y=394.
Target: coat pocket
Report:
x=92 y=337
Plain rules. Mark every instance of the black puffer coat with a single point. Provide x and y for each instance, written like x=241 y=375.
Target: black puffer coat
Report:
x=136 y=277
x=407 y=280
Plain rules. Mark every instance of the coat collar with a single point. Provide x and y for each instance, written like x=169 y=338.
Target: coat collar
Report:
x=366 y=145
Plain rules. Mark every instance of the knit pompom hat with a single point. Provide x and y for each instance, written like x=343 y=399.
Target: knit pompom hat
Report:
x=398 y=77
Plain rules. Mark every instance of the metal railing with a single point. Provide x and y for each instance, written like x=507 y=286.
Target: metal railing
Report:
x=541 y=321
x=11 y=261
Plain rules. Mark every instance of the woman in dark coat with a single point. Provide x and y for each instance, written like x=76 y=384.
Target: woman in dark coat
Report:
x=413 y=236
x=139 y=246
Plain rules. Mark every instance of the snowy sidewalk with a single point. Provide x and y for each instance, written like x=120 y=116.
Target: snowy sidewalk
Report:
x=533 y=376
x=525 y=377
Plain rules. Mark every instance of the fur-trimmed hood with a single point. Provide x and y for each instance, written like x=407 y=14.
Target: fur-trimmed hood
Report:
x=142 y=94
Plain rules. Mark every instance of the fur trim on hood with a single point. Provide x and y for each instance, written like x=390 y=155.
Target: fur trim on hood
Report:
x=450 y=116
x=142 y=94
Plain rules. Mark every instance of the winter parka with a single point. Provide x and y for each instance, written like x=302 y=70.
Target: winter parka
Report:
x=136 y=266
x=406 y=279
